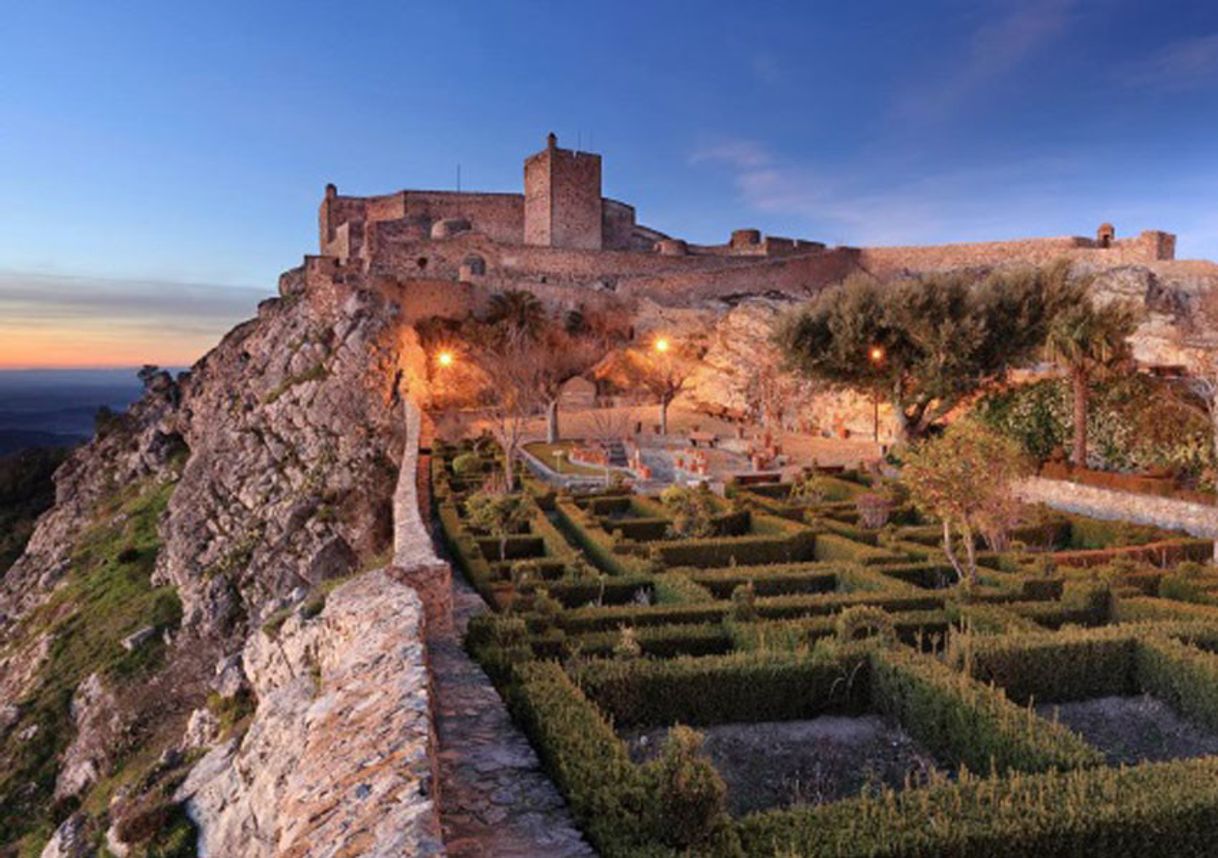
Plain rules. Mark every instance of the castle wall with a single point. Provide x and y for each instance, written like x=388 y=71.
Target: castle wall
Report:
x=799 y=276
x=1150 y=246
x=617 y=225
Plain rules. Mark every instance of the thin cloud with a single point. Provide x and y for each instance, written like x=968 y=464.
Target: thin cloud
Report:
x=738 y=154
x=1180 y=65
x=994 y=49
x=853 y=207
x=57 y=320
x=26 y=297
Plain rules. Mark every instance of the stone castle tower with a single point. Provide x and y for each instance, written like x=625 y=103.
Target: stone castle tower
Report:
x=562 y=198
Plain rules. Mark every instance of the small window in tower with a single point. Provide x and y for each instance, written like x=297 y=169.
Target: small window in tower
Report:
x=421 y=262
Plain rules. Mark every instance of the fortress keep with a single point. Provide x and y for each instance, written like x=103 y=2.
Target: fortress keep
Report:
x=444 y=249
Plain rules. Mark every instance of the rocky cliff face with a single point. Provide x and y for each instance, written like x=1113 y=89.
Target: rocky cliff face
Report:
x=228 y=497
x=735 y=334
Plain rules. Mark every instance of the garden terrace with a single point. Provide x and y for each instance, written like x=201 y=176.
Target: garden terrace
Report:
x=847 y=649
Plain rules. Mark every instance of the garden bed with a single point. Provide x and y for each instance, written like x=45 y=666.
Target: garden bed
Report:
x=1133 y=729
x=780 y=764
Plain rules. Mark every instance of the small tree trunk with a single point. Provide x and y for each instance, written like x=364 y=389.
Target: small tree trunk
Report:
x=970 y=551
x=664 y=415
x=509 y=470
x=1078 y=454
x=949 y=551
x=898 y=412
x=552 y=435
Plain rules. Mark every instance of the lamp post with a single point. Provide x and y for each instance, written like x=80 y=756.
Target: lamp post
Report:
x=661 y=347
x=876 y=355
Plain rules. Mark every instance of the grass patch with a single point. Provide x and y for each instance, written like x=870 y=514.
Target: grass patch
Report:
x=107 y=595
x=555 y=457
x=317 y=372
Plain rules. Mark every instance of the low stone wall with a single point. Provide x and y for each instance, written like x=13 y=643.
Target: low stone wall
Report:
x=340 y=758
x=1196 y=519
x=414 y=558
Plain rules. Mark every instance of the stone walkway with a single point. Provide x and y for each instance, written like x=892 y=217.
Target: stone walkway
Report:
x=495 y=801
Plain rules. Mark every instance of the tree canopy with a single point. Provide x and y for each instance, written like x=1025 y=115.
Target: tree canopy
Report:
x=926 y=343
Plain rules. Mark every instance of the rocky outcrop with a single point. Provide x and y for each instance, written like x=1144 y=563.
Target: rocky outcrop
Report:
x=278 y=453
x=96 y=720
x=337 y=760
x=293 y=436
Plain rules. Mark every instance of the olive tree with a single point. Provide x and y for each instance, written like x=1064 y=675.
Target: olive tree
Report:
x=926 y=343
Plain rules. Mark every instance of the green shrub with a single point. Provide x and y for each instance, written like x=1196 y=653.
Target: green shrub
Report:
x=831 y=546
x=1070 y=665
x=967 y=723
x=469 y=465
x=1161 y=809
x=580 y=751
x=692 y=805
x=1180 y=675
x=718 y=689
x=864 y=621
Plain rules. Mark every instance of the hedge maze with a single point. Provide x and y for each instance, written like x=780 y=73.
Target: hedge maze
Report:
x=607 y=620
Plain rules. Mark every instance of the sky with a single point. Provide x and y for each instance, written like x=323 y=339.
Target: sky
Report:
x=162 y=163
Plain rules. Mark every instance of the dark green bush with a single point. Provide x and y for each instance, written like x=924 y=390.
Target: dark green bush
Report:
x=963 y=722
x=1148 y=810
x=718 y=689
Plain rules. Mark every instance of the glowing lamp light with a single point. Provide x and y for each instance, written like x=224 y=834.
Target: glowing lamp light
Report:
x=876 y=354
x=661 y=345
x=445 y=359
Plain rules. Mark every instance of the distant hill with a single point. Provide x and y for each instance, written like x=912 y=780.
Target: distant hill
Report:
x=15 y=440
x=55 y=408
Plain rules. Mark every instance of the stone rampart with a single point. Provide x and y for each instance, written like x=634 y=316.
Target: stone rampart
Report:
x=1150 y=246
x=340 y=757
x=414 y=557
x=1197 y=519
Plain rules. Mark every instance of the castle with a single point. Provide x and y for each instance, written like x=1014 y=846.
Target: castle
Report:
x=446 y=248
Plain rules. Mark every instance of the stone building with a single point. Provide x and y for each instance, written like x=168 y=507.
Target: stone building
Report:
x=447 y=248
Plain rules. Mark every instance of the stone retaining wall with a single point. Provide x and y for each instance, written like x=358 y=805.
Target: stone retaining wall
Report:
x=340 y=757
x=414 y=557
x=1196 y=519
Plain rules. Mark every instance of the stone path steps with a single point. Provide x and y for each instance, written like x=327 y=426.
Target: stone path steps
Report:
x=495 y=801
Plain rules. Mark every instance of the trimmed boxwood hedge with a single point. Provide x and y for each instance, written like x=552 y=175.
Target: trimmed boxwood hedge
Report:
x=1147 y=810
x=720 y=689
x=832 y=546
x=967 y=723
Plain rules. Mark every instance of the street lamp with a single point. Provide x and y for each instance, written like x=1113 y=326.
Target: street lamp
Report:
x=445 y=359
x=661 y=345
x=876 y=355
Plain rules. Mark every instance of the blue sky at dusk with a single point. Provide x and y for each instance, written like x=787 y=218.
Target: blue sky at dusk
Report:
x=162 y=163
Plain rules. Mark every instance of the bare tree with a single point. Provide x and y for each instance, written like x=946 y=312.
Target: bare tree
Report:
x=574 y=344
x=663 y=369
x=770 y=391
x=607 y=426
x=512 y=364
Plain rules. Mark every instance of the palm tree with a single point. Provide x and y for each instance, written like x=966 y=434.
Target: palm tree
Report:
x=519 y=310
x=1085 y=340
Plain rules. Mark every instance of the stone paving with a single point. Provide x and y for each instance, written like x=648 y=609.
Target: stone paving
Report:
x=494 y=798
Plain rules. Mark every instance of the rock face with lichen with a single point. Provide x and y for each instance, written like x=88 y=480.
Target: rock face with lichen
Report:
x=242 y=490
